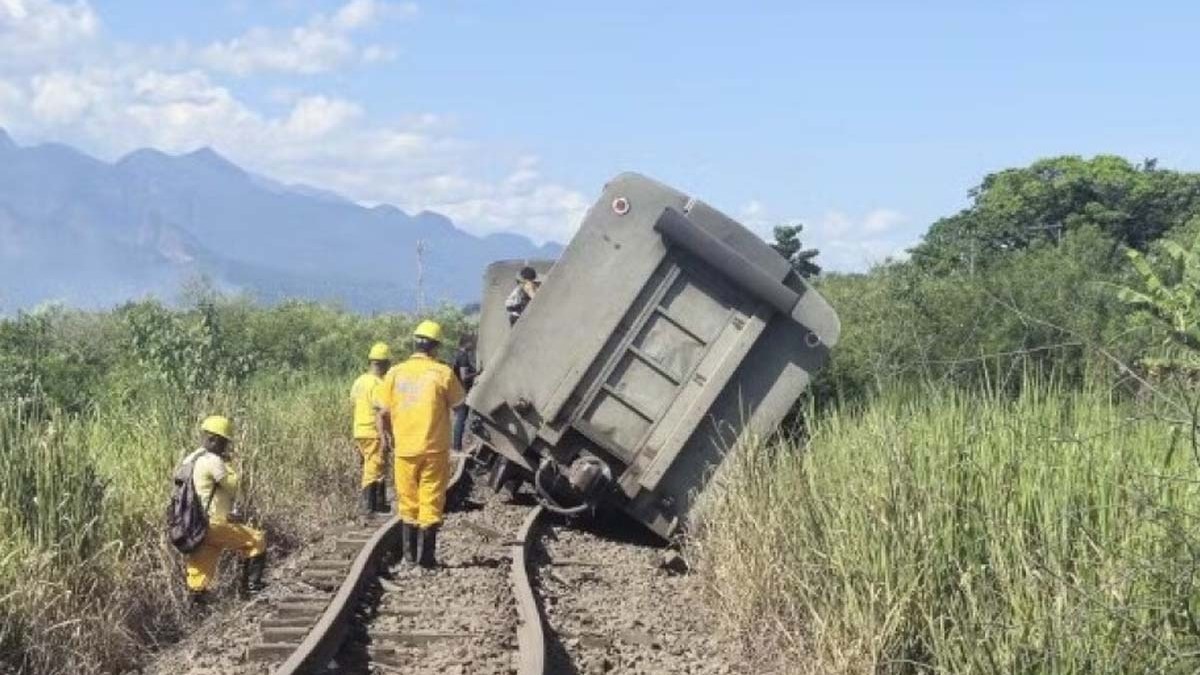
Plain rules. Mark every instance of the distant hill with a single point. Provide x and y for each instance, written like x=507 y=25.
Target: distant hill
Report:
x=92 y=233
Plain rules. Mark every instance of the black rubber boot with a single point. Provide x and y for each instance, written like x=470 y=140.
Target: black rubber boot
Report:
x=252 y=576
x=365 y=500
x=380 y=491
x=411 y=536
x=427 y=555
x=198 y=601
x=397 y=559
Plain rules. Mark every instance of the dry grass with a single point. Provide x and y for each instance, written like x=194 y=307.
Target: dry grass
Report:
x=942 y=532
x=87 y=583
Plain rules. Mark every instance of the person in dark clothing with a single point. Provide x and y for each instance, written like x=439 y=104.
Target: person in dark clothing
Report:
x=527 y=287
x=465 y=371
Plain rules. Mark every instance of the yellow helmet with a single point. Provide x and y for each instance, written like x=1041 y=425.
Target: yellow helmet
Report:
x=218 y=426
x=379 y=352
x=430 y=330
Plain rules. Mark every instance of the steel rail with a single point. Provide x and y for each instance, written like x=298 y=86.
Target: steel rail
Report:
x=531 y=635
x=323 y=641
x=326 y=636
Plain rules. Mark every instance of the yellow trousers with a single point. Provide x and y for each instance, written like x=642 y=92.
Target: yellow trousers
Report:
x=421 y=487
x=221 y=537
x=371 y=452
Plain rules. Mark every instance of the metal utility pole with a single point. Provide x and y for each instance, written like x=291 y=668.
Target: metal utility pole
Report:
x=421 y=276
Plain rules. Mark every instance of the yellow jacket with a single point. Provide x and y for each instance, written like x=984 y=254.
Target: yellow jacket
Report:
x=216 y=484
x=363 y=396
x=419 y=394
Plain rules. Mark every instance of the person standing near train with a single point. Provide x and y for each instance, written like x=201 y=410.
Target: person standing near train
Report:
x=366 y=431
x=415 y=402
x=465 y=371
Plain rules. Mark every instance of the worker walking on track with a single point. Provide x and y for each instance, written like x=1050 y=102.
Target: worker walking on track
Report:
x=367 y=437
x=216 y=487
x=415 y=401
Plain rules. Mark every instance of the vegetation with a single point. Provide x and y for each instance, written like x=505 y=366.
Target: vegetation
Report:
x=97 y=409
x=997 y=472
x=940 y=531
x=999 y=469
x=787 y=244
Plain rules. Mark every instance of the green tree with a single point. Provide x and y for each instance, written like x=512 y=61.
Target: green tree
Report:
x=1015 y=209
x=1171 y=298
x=787 y=243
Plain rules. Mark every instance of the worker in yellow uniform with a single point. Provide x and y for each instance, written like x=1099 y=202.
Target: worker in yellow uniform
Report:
x=415 y=400
x=372 y=491
x=216 y=485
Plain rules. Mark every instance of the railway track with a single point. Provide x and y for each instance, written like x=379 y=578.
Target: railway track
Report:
x=467 y=616
x=614 y=601
x=517 y=591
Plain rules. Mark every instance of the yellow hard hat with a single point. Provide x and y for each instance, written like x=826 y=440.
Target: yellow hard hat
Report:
x=379 y=352
x=430 y=330
x=218 y=426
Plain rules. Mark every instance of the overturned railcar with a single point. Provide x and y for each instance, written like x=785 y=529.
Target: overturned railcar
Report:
x=665 y=332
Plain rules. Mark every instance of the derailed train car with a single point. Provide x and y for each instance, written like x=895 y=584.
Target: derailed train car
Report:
x=666 y=332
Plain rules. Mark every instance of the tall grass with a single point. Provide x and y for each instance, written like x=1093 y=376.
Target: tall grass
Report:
x=937 y=531
x=87 y=583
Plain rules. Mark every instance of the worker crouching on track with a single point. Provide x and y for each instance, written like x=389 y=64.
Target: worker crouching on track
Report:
x=415 y=401
x=367 y=437
x=216 y=485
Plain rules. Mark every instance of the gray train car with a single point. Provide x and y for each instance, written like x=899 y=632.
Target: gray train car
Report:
x=666 y=332
x=499 y=279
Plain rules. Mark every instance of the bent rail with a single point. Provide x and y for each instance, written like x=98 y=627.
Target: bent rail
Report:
x=531 y=637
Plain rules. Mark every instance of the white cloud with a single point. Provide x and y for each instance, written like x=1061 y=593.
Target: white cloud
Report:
x=853 y=244
x=322 y=44
x=33 y=30
x=378 y=54
x=117 y=98
x=882 y=220
x=62 y=97
x=847 y=243
x=316 y=116
x=318 y=140
x=358 y=14
x=524 y=201
x=754 y=216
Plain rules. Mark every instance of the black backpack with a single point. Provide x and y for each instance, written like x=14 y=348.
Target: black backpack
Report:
x=187 y=520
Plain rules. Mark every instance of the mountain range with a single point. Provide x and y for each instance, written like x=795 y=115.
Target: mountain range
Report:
x=91 y=233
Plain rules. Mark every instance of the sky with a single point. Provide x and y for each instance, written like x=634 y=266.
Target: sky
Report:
x=865 y=121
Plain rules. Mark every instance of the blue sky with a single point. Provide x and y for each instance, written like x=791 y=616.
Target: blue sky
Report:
x=864 y=120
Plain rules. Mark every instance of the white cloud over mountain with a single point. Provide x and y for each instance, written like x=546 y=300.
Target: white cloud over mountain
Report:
x=60 y=80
